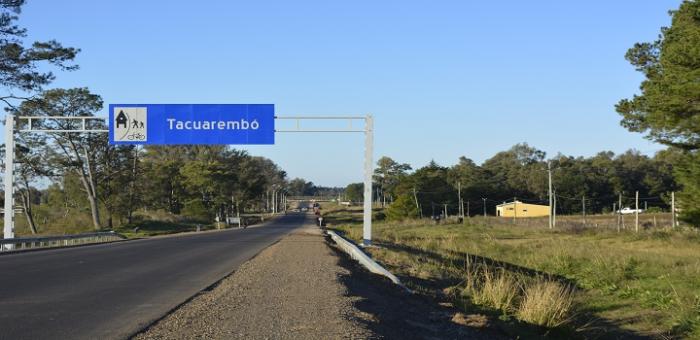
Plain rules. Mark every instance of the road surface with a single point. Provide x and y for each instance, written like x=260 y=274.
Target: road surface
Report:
x=112 y=291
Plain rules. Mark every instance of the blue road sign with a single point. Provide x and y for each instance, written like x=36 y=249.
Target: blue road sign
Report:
x=191 y=124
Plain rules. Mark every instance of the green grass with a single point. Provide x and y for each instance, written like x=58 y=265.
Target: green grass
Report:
x=643 y=284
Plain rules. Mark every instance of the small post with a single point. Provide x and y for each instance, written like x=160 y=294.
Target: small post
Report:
x=484 y=206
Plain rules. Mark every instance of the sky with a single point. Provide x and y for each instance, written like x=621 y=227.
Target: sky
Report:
x=442 y=79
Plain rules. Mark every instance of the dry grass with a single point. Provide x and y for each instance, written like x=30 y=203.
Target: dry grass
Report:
x=497 y=289
x=546 y=303
x=626 y=283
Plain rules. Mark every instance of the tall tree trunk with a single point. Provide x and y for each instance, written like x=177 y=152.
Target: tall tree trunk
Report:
x=89 y=182
x=27 y=205
x=87 y=179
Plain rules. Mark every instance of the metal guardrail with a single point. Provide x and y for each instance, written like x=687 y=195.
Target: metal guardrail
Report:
x=23 y=243
x=359 y=256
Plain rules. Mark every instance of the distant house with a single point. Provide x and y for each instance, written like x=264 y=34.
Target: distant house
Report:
x=520 y=209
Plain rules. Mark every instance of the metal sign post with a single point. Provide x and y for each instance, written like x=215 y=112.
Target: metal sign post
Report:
x=178 y=124
x=10 y=122
x=368 y=163
x=9 y=229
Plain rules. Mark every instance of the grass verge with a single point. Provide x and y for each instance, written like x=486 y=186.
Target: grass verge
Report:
x=565 y=283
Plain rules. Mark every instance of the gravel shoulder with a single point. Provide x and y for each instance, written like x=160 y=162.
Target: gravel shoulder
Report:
x=288 y=291
x=303 y=288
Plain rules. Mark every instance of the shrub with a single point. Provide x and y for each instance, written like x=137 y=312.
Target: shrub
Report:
x=404 y=207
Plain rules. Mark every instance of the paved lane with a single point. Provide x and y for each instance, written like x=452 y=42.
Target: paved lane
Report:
x=111 y=291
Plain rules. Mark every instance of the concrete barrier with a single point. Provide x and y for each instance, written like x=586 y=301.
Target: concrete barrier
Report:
x=359 y=256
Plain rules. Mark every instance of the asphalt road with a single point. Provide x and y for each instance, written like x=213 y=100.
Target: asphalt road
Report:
x=112 y=291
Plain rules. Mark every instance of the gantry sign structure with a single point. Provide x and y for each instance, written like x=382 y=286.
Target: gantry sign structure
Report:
x=184 y=124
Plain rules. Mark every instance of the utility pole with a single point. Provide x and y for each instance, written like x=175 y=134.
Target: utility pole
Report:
x=460 y=209
x=619 y=211
x=673 y=209
x=549 y=174
x=484 y=206
x=468 y=214
x=636 y=211
x=415 y=197
x=554 y=217
x=618 y=217
x=583 y=203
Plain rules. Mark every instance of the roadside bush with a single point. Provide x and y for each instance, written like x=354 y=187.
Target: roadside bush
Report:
x=404 y=207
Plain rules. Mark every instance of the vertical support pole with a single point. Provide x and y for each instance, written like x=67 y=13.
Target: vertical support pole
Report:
x=484 y=199
x=369 y=150
x=9 y=230
x=549 y=174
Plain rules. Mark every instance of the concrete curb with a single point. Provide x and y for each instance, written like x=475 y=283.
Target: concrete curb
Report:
x=359 y=256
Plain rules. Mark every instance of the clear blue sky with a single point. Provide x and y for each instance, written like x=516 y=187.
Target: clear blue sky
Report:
x=442 y=78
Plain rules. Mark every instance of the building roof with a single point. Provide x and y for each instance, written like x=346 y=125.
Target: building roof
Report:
x=518 y=202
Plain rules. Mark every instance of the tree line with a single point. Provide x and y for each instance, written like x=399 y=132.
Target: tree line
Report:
x=522 y=172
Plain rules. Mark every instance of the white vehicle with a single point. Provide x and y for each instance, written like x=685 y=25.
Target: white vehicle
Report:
x=628 y=210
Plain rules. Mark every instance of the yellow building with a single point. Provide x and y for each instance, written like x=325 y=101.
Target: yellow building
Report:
x=520 y=209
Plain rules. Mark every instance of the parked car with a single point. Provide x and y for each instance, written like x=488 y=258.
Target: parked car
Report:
x=628 y=210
